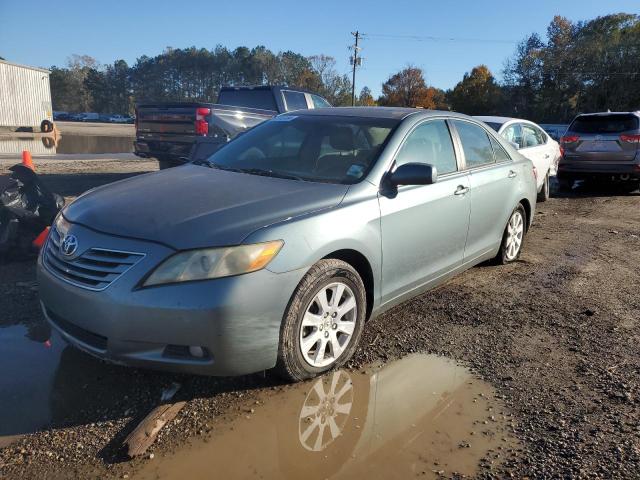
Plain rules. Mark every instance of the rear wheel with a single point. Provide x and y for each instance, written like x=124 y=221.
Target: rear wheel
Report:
x=565 y=184
x=513 y=236
x=323 y=323
x=544 y=195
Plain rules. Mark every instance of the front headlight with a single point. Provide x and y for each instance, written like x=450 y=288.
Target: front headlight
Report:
x=209 y=263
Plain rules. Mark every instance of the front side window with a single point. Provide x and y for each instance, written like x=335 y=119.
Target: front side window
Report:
x=318 y=148
x=429 y=143
x=475 y=144
x=295 y=100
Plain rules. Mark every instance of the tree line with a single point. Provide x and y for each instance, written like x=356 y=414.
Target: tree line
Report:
x=578 y=67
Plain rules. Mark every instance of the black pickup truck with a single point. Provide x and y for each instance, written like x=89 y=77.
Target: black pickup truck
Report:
x=174 y=132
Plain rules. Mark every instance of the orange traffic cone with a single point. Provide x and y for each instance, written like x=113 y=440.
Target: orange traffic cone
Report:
x=27 y=161
x=40 y=239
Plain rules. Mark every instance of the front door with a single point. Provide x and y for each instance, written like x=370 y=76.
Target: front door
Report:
x=424 y=228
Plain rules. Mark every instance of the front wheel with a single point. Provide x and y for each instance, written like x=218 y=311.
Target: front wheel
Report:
x=323 y=323
x=513 y=236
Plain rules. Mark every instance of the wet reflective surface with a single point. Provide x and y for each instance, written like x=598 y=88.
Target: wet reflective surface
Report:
x=66 y=144
x=422 y=415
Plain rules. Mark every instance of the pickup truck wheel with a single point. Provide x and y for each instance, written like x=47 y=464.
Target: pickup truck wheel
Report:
x=324 y=321
x=513 y=236
x=46 y=126
x=544 y=193
x=163 y=164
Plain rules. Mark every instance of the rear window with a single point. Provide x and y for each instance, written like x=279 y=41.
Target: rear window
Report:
x=604 y=123
x=258 y=98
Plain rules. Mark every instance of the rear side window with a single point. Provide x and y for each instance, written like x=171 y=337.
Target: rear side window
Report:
x=531 y=137
x=295 y=100
x=513 y=134
x=615 y=123
x=498 y=152
x=258 y=98
x=475 y=143
x=319 y=102
x=429 y=143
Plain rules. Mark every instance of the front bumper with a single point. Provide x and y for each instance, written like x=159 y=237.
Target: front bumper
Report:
x=236 y=320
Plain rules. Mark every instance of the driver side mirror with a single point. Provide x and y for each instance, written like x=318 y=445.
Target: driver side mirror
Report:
x=414 y=174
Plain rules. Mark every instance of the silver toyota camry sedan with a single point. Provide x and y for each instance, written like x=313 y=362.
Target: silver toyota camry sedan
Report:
x=277 y=250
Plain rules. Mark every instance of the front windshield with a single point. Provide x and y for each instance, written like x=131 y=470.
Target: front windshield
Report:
x=315 y=148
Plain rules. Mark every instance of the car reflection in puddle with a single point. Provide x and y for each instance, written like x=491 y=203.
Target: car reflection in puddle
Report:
x=423 y=415
x=66 y=144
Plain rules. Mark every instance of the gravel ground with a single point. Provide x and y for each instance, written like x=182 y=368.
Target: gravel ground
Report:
x=556 y=334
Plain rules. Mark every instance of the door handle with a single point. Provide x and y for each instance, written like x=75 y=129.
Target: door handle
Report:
x=547 y=156
x=512 y=174
x=461 y=190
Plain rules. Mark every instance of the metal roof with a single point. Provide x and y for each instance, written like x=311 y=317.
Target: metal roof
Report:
x=43 y=70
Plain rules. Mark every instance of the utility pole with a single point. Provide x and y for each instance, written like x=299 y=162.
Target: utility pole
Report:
x=356 y=61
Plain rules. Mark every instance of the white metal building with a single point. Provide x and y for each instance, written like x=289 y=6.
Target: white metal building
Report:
x=25 y=98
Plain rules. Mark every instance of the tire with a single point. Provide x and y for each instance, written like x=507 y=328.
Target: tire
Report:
x=46 y=126
x=506 y=254
x=544 y=194
x=306 y=319
x=163 y=164
x=565 y=184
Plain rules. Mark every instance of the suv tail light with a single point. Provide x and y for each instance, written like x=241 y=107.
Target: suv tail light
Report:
x=202 y=126
x=569 y=139
x=630 y=138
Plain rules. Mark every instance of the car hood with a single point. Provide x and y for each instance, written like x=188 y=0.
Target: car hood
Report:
x=195 y=206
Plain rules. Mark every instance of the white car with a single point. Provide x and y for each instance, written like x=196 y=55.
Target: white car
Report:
x=534 y=143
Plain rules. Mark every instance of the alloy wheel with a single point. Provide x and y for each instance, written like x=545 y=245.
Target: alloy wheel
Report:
x=515 y=232
x=325 y=411
x=328 y=324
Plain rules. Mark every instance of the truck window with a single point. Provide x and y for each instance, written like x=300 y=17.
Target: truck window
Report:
x=258 y=98
x=294 y=100
x=319 y=102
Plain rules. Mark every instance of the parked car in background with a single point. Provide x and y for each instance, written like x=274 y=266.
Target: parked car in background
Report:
x=270 y=252
x=90 y=117
x=118 y=118
x=555 y=130
x=602 y=146
x=532 y=142
x=61 y=116
x=180 y=131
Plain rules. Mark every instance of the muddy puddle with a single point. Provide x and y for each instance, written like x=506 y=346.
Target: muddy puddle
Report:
x=66 y=144
x=421 y=416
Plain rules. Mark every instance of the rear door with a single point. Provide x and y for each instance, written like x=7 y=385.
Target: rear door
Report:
x=492 y=177
x=535 y=148
x=602 y=137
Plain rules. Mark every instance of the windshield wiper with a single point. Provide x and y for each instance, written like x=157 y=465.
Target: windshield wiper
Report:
x=268 y=173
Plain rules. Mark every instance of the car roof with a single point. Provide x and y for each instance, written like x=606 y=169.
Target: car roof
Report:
x=603 y=114
x=500 y=120
x=398 y=113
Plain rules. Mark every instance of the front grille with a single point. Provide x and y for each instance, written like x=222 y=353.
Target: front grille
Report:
x=85 y=336
x=95 y=269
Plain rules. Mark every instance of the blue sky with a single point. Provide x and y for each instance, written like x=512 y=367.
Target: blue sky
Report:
x=44 y=33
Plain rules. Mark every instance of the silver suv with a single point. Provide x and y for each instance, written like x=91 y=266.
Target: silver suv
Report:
x=601 y=146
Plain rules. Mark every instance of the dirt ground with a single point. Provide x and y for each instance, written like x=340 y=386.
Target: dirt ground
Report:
x=556 y=335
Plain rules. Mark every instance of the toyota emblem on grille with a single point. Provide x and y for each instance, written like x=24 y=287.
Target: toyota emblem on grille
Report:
x=69 y=245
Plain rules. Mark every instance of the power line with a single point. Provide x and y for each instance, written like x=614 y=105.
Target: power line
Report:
x=421 y=38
